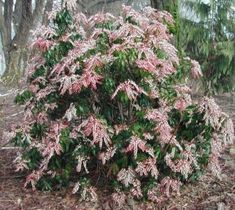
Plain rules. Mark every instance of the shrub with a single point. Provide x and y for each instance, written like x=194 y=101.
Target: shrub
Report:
x=107 y=106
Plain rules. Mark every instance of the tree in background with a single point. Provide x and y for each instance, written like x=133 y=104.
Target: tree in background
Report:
x=163 y=4
x=111 y=6
x=19 y=18
x=205 y=30
x=16 y=21
x=209 y=37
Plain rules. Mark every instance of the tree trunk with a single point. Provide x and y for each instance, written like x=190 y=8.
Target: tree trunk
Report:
x=16 y=51
x=15 y=66
x=94 y=6
x=157 y=4
x=168 y=5
x=48 y=8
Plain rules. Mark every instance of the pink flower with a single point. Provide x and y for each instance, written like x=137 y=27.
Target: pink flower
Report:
x=98 y=31
x=76 y=187
x=120 y=128
x=212 y=112
x=119 y=198
x=89 y=194
x=67 y=84
x=147 y=65
x=51 y=149
x=154 y=195
x=135 y=144
x=147 y=166
x=33 y=179
x=136 y=189
x=216 y=145
x=71 y=112
x=82 y=161
x=105 y=156
x=100 y=18
x=21 y=164
x=159 y=15
x=169 y=185
x=97 y=129
x=42 y=44
x=93 y=62
x=158 y=29
x=126 y=176
x=181 y=104
x=157 y=115
x=130 y=88
x=34 y=63
x=164 y=15
x=51 y=106
x=81 y=19
x=89 y=78
x=42 y=93
x=157 y=67
x=170 y=50
x=129 y=12
x=182 y=89
x=148 y=136
x=162 y=126
x=64 y=64
x=184 y=165
x=44 y=31
x=41 y=117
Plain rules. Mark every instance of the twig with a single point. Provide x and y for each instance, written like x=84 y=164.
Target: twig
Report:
x=12 y=177
x=9 y=148
x=13 y=115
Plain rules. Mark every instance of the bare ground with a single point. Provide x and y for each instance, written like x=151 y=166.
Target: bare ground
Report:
x=207 y=194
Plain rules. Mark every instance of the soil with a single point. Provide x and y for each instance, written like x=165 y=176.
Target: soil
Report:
x=207 y=194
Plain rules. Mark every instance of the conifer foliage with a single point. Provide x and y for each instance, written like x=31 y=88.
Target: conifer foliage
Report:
x=108 y=106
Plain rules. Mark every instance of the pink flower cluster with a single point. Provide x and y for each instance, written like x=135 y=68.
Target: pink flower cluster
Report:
x=128 y=142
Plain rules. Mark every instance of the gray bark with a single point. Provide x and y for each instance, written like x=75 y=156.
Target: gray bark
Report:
x=94 y=6
x=14 y=48
x=48 y=8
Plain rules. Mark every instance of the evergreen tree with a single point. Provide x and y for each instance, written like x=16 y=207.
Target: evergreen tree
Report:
x=208 y=36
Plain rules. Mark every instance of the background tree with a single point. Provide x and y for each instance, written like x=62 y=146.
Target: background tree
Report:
x=111 y=6
x=205 y=30
x=16 y=21
x=168 y=5
x=208 y=36
x=19 y=18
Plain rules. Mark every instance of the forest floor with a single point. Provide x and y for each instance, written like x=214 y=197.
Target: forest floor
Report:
x=207 y=194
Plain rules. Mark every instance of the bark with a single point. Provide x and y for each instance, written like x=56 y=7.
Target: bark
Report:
x=168 y=5
x=5 y=26
x=48 y=8
x=17 y=14
x=15 y=49
x=157 y=4
x=94 y=6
